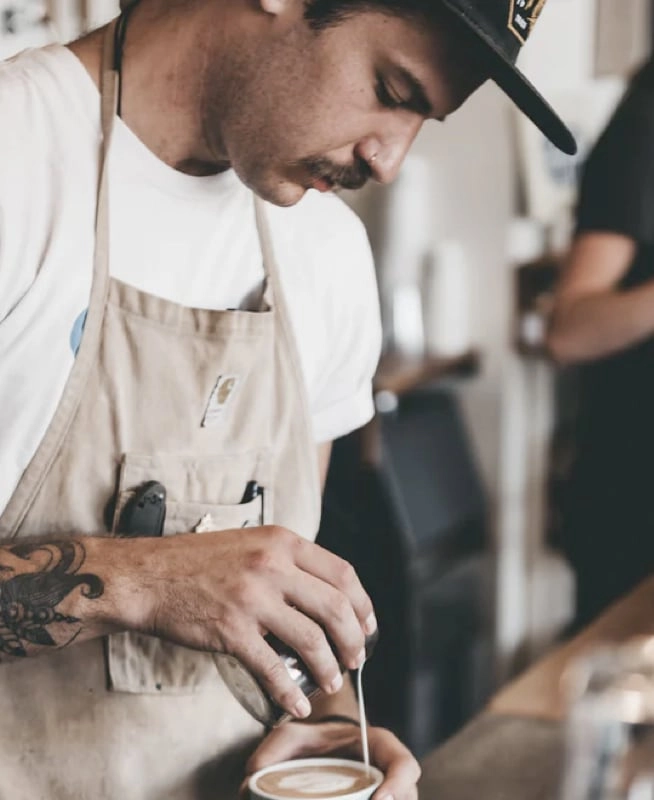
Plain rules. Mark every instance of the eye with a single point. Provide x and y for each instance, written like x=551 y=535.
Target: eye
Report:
x=386 y=96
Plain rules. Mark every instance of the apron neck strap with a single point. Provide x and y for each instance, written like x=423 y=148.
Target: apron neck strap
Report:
x=108 y=105
x=272 y=288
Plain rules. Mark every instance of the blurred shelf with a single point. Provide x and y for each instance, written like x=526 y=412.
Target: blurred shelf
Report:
x=401 y=374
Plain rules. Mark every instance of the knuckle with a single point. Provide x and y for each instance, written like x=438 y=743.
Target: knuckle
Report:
x=346 y=575
x=274 y=674
x=279 y=533
x=312 y=641
x=339 y=611
x=244 y=594
x=281 y=541
x=341 y=607
x=260 y=560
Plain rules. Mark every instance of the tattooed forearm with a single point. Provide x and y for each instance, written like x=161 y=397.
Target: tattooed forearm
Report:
x=35 y=582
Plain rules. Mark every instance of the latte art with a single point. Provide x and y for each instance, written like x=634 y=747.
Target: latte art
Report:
x=309 y=782
x=320 y=783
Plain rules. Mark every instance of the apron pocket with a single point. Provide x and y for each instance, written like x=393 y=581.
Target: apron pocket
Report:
x=202 y=517
x=143 y=664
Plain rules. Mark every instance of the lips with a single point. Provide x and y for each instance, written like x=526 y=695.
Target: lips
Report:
x=322 y=184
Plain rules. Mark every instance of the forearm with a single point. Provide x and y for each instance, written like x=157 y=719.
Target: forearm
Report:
x=601 y=324
x=217 y=592
x=53 y=594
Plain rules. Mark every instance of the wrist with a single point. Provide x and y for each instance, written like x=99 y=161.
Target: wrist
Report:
x=336 y=718
x=122 y=566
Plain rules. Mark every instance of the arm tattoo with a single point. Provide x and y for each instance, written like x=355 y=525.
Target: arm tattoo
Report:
x=29 y=599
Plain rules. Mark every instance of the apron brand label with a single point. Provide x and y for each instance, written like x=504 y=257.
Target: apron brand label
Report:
x=522 y=17
x=220 y=399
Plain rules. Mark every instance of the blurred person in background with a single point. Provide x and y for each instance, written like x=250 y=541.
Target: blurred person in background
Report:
x=604 y=321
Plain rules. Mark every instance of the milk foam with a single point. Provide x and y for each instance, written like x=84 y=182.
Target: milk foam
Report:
x=317 y=782
x=297 y=780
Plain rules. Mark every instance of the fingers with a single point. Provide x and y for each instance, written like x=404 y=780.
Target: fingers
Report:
x=341 y=575
x=261 y=660
x=308 y=640
x=305 y=740
x=281 y=744
x=321 y=601
x=400 y=768
x=326 y=591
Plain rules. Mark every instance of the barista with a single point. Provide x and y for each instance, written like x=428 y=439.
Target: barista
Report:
x=178 y=304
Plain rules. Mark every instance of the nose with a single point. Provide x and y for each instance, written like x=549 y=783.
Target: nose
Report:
x=385 y=153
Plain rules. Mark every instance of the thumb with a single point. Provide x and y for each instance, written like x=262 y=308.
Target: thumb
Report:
x=281 y=744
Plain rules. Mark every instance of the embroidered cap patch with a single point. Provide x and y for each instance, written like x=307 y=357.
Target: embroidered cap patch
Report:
x=522 y=17
x=220 y=398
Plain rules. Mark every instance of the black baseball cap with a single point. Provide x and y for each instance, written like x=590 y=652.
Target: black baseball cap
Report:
x=503 y=26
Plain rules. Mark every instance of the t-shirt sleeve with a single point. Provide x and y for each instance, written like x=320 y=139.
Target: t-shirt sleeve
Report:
x=617 y=188
x=21 y=188
x=340 y=396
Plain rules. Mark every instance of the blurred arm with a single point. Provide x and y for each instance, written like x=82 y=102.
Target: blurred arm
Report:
x=592 y=318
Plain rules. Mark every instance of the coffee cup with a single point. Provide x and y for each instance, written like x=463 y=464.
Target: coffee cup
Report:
x=315 y=779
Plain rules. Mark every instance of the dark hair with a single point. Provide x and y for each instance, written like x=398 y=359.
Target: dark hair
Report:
x=462 y=53
x=322 y=13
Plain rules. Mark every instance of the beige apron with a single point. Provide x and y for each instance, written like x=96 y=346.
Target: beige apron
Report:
x=204 y=402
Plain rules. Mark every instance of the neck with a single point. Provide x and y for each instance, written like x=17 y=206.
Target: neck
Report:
x=162 y=72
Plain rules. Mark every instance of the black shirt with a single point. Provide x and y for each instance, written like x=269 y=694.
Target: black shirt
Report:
x=613 y=478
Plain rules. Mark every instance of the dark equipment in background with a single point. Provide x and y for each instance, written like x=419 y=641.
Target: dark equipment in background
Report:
x=414 y=526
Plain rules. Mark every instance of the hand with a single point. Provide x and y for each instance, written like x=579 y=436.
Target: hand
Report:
x=341 y=740
x=224 y=591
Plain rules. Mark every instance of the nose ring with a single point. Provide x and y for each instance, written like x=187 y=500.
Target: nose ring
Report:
x=372 y=159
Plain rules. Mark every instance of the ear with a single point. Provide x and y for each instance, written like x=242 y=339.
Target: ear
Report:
x=275 y=7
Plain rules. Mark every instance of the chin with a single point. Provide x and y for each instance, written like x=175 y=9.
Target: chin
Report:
x=278 y=192
x=281 y=194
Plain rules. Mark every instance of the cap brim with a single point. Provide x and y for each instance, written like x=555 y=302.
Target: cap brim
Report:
x=523 y=93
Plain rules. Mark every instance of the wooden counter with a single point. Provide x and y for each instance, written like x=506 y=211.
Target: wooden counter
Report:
x=514 y=750
x=496 y=758
x=537 y=693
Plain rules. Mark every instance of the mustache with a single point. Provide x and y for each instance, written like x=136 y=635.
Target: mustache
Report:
x=350 y=176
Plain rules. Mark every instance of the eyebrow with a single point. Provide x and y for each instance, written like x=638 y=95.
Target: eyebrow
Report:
x=419 y=100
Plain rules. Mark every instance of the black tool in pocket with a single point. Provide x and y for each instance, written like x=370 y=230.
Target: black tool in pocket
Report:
x=253 y=490
x=145 y=513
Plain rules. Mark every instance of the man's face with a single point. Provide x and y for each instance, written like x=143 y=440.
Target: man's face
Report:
x=329 y=109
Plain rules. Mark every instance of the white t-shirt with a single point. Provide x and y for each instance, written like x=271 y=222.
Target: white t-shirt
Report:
x=187 y=239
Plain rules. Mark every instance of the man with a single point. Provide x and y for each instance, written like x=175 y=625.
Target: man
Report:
x=168 y=335
x=603 y=320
